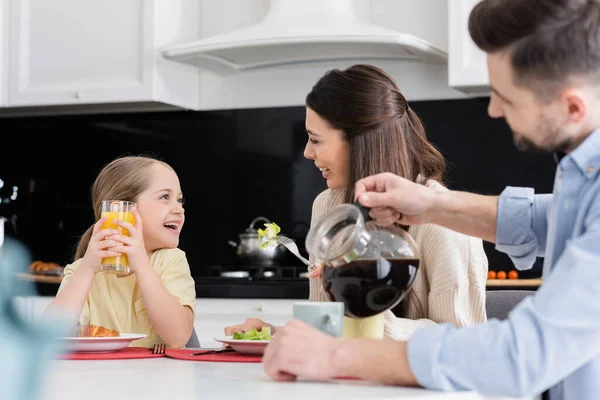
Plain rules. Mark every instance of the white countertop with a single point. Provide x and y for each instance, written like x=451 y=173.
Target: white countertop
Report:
x=166 y=378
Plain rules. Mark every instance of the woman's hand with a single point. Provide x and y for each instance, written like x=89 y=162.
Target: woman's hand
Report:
x=133 y=245
x=316 y=271
x=248 y=325
x=100 y=246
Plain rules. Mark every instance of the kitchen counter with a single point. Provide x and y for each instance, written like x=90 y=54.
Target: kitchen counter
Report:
x=54 y=279
x=276 y=288
x=532 y=284
x=166 y=378
x=207 y=287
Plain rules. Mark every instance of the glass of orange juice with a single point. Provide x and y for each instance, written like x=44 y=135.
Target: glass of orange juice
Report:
x=123 y=210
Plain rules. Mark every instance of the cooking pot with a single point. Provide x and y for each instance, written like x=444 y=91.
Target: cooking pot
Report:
x=248 y=247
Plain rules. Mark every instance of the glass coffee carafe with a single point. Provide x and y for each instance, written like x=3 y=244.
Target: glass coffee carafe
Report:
x=368 y=267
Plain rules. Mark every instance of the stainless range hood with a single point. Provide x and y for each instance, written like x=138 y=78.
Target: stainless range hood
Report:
x=298 y=32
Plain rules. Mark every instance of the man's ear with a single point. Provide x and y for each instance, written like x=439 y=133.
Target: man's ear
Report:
x=575 y=104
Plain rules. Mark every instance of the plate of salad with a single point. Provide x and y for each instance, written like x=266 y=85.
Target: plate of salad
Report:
x=252 y=342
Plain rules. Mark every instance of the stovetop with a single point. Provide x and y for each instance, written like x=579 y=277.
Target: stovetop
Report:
x=253 y=273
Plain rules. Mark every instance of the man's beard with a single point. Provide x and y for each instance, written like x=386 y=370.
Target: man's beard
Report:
x=553 y=142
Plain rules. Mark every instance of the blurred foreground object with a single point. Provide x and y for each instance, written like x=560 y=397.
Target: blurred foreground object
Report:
x=26 y=346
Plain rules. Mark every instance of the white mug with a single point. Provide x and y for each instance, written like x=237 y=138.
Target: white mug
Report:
x=327 y=316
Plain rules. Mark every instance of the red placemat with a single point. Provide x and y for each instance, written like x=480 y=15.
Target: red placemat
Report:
x=186 y=354
x=126 y=353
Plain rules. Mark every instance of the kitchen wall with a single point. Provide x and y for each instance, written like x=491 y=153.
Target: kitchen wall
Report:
x=234 y=165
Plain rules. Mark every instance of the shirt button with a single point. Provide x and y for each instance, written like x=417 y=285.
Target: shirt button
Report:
x=590 y=169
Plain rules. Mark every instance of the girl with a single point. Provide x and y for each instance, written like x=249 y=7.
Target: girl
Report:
x=359 y=124
x=158 y=297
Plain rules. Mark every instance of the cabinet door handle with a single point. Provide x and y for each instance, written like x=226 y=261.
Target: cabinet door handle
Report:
x=77 y=95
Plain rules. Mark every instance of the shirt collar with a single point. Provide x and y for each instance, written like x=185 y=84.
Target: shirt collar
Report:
x=587 y=155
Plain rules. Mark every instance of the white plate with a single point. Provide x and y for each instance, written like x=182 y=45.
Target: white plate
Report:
x=100 y=344
x=244 y=346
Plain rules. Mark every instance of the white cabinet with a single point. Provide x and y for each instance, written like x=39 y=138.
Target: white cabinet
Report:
x=73 y=52
x=467 y=69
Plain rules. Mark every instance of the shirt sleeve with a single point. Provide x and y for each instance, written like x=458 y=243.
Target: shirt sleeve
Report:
x=84 y=317
x=177 y=278
x=544 y=339
x=522 y=225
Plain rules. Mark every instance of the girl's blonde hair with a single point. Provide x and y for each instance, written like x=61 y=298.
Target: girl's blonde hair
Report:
x=122 y=179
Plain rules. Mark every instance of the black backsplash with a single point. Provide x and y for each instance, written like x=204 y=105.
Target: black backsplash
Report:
x=234 y=165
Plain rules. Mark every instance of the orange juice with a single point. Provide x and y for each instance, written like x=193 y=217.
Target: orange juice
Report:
x=118 y=264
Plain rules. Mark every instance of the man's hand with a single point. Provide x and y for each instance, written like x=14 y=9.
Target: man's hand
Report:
x=298 y=349
x=392 y=197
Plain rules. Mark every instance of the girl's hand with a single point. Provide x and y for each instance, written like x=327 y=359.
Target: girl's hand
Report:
x=133 y=245
x=248 y=325
x=100 y=246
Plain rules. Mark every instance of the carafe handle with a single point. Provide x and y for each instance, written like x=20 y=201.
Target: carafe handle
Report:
x=364 y=211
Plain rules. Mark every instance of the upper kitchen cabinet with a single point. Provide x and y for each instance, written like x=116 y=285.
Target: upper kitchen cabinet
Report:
x=467 y=70
x=108 y=53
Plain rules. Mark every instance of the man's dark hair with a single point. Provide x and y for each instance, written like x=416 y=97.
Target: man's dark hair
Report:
x=550 y=41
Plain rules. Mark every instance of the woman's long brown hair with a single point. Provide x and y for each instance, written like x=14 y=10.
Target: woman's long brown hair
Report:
x=384 y=134
x=122 y=179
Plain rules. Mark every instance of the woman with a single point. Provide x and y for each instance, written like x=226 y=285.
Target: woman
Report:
x=359 y=124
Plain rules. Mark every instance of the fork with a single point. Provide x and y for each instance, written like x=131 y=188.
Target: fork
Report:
x=291 y=246
x=158 y=348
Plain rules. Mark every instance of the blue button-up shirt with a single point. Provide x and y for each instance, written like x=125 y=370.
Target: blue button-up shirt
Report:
x=551 y=339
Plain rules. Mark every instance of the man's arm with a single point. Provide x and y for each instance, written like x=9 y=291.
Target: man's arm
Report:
x=516 y=220
x=468 y=213
x=545 y=338
x=522 y=225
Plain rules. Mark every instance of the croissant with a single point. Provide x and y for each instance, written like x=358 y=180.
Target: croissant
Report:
x=95 y=331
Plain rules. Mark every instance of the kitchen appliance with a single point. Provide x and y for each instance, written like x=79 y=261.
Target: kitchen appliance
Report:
x=248 y=249
x=306 y=32
x=368 y=267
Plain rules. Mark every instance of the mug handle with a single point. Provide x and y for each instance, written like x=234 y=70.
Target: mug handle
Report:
x=330 y=324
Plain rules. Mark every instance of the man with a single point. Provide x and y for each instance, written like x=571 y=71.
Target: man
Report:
x=543 y=61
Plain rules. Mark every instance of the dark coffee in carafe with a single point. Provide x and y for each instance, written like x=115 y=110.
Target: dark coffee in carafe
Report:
x=368 y=287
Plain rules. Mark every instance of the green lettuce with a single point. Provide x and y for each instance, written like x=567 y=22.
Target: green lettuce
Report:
x=254 y=334
x=268 y=235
